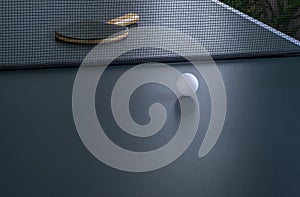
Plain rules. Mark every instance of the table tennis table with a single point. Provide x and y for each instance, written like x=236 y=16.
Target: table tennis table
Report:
x=257 y=153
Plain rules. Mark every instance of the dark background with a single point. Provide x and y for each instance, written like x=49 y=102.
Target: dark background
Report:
x=283 y=15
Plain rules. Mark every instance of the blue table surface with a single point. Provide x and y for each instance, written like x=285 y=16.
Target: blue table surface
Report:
x=257 y=153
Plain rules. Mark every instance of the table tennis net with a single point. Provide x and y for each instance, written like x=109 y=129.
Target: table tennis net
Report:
x=225 y=29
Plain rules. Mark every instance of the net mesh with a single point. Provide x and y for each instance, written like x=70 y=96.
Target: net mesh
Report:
x=27 y=29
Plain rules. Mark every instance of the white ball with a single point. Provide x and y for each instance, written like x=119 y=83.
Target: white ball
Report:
x=187 y=84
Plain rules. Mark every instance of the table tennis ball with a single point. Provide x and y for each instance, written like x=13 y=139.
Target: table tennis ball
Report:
x=187 y=84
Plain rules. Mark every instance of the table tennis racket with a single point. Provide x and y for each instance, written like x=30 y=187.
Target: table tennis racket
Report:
x=94 y=32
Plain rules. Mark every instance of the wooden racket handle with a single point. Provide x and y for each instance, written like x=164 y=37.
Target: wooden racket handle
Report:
x=125 y=20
